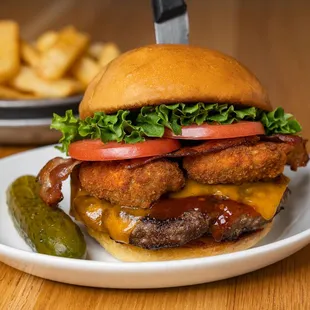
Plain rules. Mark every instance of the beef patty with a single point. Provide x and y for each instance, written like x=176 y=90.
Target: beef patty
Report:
x=227 y=221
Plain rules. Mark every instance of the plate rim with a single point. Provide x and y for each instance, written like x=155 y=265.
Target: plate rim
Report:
x=25 y=122
x=72 y=263
x=40 y=102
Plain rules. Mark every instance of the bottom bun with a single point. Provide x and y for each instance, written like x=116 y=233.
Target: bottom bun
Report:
x=205 y=246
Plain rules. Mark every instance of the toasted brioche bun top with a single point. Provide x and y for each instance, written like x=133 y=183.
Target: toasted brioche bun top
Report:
x=168 y=73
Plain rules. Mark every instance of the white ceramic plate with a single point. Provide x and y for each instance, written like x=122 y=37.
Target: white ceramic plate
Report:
x=290 y=233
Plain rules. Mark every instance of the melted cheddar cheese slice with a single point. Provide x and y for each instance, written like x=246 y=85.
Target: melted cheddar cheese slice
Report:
x=264 y=197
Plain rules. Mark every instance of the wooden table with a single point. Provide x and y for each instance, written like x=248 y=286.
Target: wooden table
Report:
x=271 y=37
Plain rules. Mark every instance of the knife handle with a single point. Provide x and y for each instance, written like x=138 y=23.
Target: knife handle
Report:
x=167 y=9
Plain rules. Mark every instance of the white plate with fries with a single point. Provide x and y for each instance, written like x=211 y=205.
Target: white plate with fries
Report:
x=55 y=65
x=290 y=232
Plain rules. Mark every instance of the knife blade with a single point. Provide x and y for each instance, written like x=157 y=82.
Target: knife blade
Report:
x=171 y=21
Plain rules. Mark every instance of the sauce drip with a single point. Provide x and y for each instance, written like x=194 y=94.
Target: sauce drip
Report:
x=222 y=213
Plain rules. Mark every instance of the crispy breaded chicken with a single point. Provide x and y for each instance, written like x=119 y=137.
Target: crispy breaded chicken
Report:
x=239 y=164
x=137 y=187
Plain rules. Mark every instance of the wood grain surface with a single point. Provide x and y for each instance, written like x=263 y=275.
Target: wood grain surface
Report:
x=272 y=38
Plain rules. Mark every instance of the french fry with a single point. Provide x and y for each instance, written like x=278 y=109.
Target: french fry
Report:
x=46 y=41
x=85 y=69
x=29 y=54
x=95 y=50
x=56 y=61
x=27 y=80
x=108 y=53
x=11 y=93
x=9 y=50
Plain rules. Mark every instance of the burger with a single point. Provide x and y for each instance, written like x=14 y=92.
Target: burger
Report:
x=177 y=153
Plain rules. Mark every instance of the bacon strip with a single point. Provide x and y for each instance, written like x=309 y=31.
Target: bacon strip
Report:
x=298 y=156
x=212 y=146
x=51 y=177
x=139 y=162
x=204 y=148
x=290 y=139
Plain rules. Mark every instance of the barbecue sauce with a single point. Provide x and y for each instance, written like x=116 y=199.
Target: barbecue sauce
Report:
x=221 y=212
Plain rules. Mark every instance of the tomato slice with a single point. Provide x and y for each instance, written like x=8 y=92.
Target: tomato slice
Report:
x=206 y=131
x=96 y=150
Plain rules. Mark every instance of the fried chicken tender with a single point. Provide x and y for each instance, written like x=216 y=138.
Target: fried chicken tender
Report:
x=138 y=187
x=239 y=164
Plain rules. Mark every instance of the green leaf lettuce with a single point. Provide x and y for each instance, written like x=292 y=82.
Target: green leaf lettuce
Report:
x=134 y=126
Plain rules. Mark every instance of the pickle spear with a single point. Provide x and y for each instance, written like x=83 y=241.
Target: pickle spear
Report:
x=47 y=230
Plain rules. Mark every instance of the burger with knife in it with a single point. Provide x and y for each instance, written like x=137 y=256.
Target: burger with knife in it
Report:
x=177 y=154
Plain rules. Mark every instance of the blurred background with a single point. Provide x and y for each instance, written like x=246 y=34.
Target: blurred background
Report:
x=268 y=36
